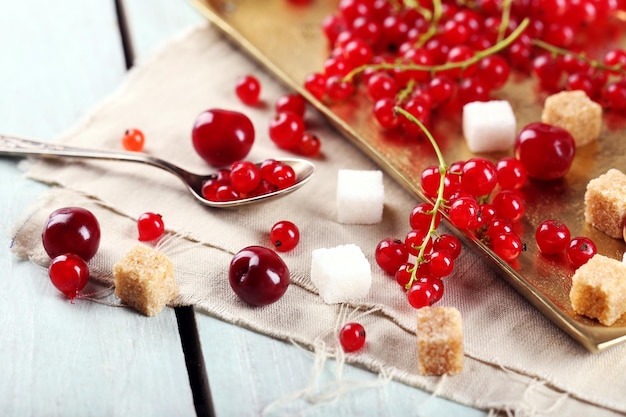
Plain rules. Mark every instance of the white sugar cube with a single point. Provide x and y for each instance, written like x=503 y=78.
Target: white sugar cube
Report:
x=360 y=196
x=341 y=273
x=489 y=126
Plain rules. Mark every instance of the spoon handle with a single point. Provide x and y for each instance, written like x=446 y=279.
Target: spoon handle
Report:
x=18 y=146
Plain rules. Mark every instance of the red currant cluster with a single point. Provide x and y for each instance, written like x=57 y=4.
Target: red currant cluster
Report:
x=246 y=179
x=602 y=80
x=553 y=238
x=287 y=127
x=431 y=56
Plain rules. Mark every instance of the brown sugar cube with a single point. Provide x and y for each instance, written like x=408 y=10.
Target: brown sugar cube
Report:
x=599 y=289
x=144 y=280
x=605 y=203
x=439 y=341
x=576 y=113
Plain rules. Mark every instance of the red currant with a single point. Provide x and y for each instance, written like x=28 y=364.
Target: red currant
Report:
x=284 y=236
x=248 y=89
x=552 y=237
x=478 y=176
x=352 y=337
x=150 y=226
x=511 y=173
x=278 y=174
x=291 y=102
x=580 y=250
x=133 y=140
x=69 y=273
x=507 y=246
x=258 y=275
x=509 y=204
x=286 y=130
x=391 y=254
x=244 y=176
x=71 y=230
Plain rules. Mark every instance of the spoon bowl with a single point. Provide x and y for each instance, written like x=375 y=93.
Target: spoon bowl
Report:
x=19 y=146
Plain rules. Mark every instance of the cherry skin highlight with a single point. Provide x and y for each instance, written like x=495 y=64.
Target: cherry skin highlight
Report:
x=222 y=137
x=71 y=230
x=258 y=275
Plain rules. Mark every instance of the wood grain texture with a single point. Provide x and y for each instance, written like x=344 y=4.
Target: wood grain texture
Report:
x=59 y=358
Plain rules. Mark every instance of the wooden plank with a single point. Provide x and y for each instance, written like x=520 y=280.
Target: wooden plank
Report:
x=59 y=358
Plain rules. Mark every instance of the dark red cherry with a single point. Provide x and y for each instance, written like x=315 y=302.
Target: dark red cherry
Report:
x=71 y=230
x=222 y=137
x=258 y=275
x=546 y=151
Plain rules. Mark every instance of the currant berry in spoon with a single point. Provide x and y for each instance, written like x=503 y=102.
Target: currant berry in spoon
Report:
x=71 y=230
x=258 y=275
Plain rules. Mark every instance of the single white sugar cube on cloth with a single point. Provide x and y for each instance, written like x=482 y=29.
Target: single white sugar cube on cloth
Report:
x=360 y=196
x=341 y=273
x=489 y=126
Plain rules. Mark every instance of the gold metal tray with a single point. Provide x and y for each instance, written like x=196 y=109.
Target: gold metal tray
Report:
x=287 y=39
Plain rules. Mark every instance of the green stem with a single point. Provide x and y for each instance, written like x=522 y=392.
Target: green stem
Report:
x=439 y=201
x=434 y=23
x=618 y=69
x=447 y=66
x=506 y=18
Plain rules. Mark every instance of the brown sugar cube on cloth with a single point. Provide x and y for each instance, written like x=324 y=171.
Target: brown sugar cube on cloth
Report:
x=599 y=289
x=144 y=280
x=439 y=341
x=605 y=203
x=576 y=113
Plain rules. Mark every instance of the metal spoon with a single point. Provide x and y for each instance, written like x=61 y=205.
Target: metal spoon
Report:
x=17 y=146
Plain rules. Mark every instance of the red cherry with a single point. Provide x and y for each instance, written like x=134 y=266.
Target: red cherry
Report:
x=69 y=273
x=222 y=137
x=546 y=151
x=352 y=337
x=71 y=230
x=284 y=236
x=150 y=226
x=258 y=275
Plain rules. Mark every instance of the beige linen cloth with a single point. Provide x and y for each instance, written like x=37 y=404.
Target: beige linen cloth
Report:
x=515 y=359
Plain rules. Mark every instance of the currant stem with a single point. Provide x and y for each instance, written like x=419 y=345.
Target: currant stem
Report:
x=506 y=18
x=432 y=229
x=618 y=69
x=449 y=65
